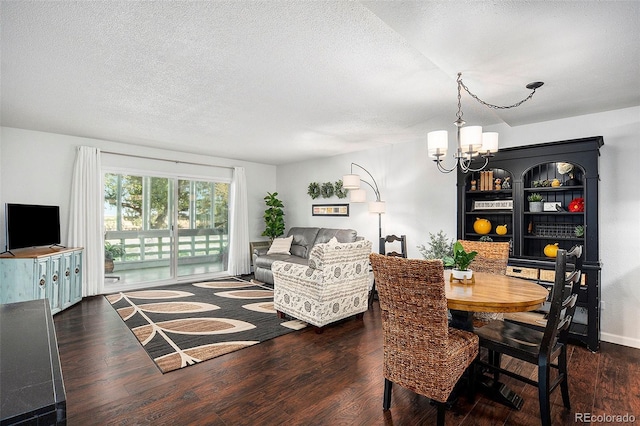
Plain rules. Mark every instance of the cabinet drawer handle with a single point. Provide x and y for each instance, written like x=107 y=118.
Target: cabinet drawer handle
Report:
x=42 y=282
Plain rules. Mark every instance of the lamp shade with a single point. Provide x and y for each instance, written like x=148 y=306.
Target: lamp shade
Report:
x=489 y=142
x=357 y=195
x=437 y=143
x=377 y=207
x=351 y=181
x=470 y=139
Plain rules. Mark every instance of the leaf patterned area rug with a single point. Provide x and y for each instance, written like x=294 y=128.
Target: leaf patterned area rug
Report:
x=184 y=324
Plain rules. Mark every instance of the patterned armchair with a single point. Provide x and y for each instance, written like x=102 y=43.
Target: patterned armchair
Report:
x=334 y=285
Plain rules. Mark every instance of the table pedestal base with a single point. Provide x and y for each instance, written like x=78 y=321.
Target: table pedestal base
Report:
x=499 y=392
x=462 y=320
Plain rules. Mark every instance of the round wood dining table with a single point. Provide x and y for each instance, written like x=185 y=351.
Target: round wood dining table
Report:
x=490 y=293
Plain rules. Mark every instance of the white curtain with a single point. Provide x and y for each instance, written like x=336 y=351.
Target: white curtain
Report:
x=239 y=256
x=85 y=218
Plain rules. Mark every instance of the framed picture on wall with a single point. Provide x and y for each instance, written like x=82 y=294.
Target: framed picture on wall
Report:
x=330 y=210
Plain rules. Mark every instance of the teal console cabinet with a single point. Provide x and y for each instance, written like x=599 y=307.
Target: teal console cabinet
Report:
x=52 y=273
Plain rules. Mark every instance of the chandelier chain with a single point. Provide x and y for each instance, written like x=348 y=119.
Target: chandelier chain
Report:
x=459 y=113
x=474 y=96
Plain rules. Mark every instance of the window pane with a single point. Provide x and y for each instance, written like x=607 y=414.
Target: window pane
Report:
x=203 y=204
x=131 y=202
x=222 y=207
x=110 y=202
x=158 y=203
x=184 y=196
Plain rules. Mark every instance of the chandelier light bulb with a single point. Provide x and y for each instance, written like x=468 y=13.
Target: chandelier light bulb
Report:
x=489 y=142
x=437 y=143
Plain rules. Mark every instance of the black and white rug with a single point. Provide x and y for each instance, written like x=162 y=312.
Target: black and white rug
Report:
x=183 y=324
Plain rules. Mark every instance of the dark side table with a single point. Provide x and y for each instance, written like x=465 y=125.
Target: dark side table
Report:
x=31 y=386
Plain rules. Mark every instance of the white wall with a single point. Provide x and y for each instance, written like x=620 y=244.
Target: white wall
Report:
x=421 y=200
x=418 y=198
x=36 y=168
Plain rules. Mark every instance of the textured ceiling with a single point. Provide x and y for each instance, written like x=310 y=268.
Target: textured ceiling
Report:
x=279 y=82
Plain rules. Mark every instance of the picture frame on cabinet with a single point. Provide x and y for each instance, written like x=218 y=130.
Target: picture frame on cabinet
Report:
x=552 y=206
x=492 y=204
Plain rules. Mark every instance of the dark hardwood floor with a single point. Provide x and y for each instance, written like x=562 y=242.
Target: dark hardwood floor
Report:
x=302 y=378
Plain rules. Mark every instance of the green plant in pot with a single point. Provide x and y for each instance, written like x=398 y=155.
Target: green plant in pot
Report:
x=535 y=202
x=461 y=262
x=111 y=251
x=273 y=216
x=440 y=247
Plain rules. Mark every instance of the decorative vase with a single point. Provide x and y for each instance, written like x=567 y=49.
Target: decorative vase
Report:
x=551 y=250
x=535 y=206
x=572 y=181
x=108 y=266
x=461 y=275
x=482 y=226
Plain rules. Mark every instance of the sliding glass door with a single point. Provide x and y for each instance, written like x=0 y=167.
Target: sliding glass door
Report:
x=203 y=227
x=161 y=229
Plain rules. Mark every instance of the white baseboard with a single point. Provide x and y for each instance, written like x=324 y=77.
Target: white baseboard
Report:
x=620 y=340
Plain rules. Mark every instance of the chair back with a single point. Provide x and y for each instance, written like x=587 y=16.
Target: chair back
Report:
x=413 y=306
x=564 y=297
x=391 y=239
x=492 y=257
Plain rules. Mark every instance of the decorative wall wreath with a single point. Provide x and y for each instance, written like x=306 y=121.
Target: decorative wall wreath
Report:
x=339 y=190
x=314 y=190
x=327 y=190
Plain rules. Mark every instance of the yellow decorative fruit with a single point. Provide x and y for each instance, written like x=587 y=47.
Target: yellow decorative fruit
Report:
x=501 y=229
x=482 y=226
x=551 y=250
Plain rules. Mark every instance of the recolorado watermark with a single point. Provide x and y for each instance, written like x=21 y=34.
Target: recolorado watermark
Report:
x=604 y=418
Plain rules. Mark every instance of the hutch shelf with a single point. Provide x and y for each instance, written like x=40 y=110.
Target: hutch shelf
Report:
x=565 y=175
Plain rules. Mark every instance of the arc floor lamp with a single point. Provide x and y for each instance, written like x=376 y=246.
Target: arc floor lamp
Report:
x=352 y=182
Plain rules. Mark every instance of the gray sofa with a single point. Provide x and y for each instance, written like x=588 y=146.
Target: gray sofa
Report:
x=303 y=240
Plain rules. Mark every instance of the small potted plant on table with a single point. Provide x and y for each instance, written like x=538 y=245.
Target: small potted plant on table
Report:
x=461 y=262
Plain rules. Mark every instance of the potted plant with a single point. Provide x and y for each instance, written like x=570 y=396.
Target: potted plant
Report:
x=440 y=247
x=535 y=202
x=461 y=262
x=111 y=251
x=273 y=216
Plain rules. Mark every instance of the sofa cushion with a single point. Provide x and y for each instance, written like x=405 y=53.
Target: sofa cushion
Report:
x=281 y=246
x=267 y=261
x=342 y=235
x=303 y=240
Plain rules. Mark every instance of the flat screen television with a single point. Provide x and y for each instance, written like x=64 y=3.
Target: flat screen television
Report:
x=30 y=225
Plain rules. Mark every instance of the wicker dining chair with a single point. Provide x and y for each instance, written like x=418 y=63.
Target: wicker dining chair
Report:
x=492 y=258
x=421 y=352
